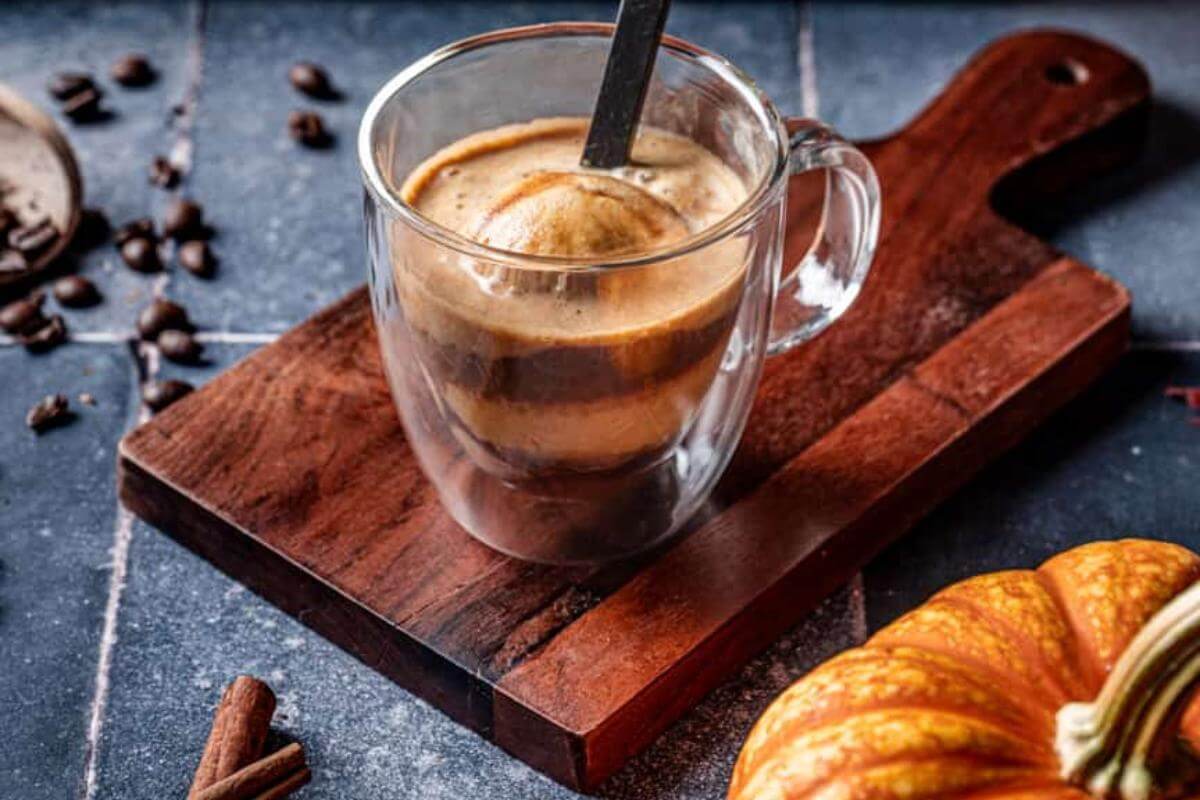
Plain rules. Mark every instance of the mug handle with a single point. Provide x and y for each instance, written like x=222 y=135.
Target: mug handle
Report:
x=827 y=279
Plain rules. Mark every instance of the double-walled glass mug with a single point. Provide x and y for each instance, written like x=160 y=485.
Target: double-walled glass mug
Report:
x=571 y=411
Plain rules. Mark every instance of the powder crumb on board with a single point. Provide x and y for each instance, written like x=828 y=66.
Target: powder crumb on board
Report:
x=1189 y=396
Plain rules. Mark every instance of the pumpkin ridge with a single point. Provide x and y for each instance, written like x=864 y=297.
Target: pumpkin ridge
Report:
x=1053 y=785
x=778 y=722
x=1029 y=648
x=927 y=642
x=1038 y=745
x=1024 y=716
x=1023 y=774
x=1085 y=649
x=1025 y=753
x=1034 y=712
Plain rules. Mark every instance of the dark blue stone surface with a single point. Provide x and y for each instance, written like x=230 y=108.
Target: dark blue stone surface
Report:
x=1121 y=461
x=57 y=517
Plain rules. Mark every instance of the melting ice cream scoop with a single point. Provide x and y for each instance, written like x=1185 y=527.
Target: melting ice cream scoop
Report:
x=570 y=214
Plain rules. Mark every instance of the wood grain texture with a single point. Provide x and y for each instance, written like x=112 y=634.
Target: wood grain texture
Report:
x=290 y=471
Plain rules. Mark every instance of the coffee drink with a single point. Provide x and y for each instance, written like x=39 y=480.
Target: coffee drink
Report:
x=590 y=366
x=574 y=352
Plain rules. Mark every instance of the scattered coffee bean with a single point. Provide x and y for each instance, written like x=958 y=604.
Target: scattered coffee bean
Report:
x=197 y=258
x=140 y=254
x=308 y=128
x=93 y=230
x=47 y=337
x=179 y=346
x=136 y=229
x=22 y=316
x=66 y=85
x=312 y=79
x=12 y=261
x=132 y=70
x=32 y=238
x=84 y=106
x=163 y=173
x=184 y=220
x=8 y=220
x=162 y=315
x=87 y=399
x=51 y=411
x=76 y=291
x=160 y=394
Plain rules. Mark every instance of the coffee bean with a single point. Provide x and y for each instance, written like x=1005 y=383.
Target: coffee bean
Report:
x=51 y=411
x=132 y=70
x=84 y=106
x=312 y=79
x=184 y=220
x=8 y=220
x=76 y=291
x=197 y=258
x=308 y=128
x=136 y=229
x=22 y=316
x=179 y=346
x=141 y=255
x=163 y=173
x=47 y=337
x=66 y=85
x=12 y=261
x=32 y=238
x=160 y=394
x=92 y=231
x=162 y=315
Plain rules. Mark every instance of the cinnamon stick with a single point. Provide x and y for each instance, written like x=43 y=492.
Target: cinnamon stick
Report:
x=264 y=775
x=291 y=784
x=239 y=732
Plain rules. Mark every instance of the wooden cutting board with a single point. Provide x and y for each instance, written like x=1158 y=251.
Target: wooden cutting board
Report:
x=290 y=471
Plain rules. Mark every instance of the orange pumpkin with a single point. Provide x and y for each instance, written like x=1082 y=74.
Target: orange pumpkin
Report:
x=1057 y=682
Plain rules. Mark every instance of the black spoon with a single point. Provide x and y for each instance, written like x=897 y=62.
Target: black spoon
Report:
x=626 y=76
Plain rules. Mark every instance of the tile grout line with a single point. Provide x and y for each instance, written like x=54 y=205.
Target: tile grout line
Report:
x=1167 y=346
x=234 y=337
x=122 y=539
x=146 y=361
x=806 y=62
x=117 y=337
x=810 y=107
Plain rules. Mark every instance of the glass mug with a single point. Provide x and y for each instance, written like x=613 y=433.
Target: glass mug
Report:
x=573 y=412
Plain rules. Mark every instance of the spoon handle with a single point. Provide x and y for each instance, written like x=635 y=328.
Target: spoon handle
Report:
x=626 y=76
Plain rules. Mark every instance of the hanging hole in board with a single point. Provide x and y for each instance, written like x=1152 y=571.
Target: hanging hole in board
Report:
x=1067 y=72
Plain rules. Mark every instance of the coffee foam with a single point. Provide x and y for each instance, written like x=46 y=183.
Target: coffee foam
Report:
x=461 y=186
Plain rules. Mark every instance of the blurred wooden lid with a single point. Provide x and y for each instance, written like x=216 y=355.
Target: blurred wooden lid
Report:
x=39 y=176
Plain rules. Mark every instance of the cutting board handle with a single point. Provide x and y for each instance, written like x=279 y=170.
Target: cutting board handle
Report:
x=1018 y=103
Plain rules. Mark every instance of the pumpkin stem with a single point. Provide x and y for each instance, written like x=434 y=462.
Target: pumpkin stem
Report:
x=1126 y=744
